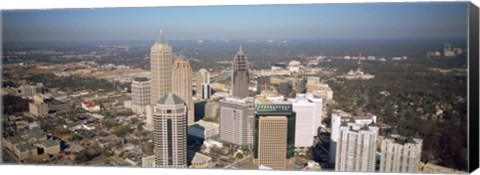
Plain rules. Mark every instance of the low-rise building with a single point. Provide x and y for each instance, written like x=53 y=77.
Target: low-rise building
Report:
x=38 y=109
x=91 y=107
x=198 y=160
x=203 y=129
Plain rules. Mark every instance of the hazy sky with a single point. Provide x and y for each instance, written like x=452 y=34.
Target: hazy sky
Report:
x=332 y=21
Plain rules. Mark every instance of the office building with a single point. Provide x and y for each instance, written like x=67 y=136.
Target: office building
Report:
x=203 y=76
x=400 y=154
x=38 y=109
x=182 y=85
x=212 y=110
x=355 y=150
x=140 y=94
x=274 y=135
x=308 y=109
x=206 y=91
x=240 y=75
x=236 y=120
x=285 y=88
x=160 y=69
x=170 y=132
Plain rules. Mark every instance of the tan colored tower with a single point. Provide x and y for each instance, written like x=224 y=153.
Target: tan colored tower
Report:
x=182 y=85
x=240 y=75
x=160 y=69
x=272 y=142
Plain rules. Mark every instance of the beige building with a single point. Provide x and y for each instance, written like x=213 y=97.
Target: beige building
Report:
x=240 y=75
x=140 y=94
x=182 y=85
x=400 y=154
x=170 y=132
x=203 y=76
x=160 y=69
x=272 y=142
x=31 y=146
x=38 y=109
x=199 y=160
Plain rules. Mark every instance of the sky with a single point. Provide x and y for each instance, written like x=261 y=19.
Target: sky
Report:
x=314 y=21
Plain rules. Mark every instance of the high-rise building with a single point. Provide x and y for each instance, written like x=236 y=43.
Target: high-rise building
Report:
x=203 y=76
x=240 y=75
x=301 y=84
x=170 y=132
x=206 y=91
x=400 y=154
x=356 y=147
x=274 y=135
x=236 y=120
x=308 y=109
x=160 y=69
x=140 y=94
x=182 y=85
x=262 y=82
x=212 y=109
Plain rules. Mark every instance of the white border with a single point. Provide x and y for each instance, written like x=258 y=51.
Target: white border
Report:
x=62 y=4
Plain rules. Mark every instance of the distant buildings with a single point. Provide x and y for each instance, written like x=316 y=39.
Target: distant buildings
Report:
x=182 y=85
x=400 y=154
x=319 y=89
x=240 y=75
x=308 y=109
x=170 y=132
x=90 y=107
x=160 y=69
x=32 y=145
x=203 y=129
x=38 y=109
x=294 y=66
x=356 y=146
x=30 y=90
x=285 y=88
x=274 y=133
x=140 y=94
x=203 y=76
x=262 y=83
x=236 y=120
x=358 y=74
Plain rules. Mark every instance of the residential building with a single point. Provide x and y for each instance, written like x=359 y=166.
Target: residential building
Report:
x=355 y=151
x=160 y=69
x=240 y=75
x=182 y=85
x=38 y=109
x=170 y=132
x=236 y=120
x=140 y=94
x=400 y=154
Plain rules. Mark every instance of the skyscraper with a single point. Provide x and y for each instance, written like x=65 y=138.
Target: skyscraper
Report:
x=400 y=154
x=262 y=82
x=170 y=132
x=182 y=85
x=240 y=75
x=203 y=76
x=274 y=135
x=206 y=91
x=160 y=68
x=140 y=94
x=356 y=147
x=236 y=120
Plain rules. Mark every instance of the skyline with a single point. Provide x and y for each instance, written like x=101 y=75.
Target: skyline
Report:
x=312 y=21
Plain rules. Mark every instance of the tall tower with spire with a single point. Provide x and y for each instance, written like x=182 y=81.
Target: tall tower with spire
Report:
x=160 y=69
x=240 y=77
x=182 y=85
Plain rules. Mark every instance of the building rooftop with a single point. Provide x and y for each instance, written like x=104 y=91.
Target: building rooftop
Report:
x=170 y=99
x=141 y=79
x=204 y=125
x=161 y=39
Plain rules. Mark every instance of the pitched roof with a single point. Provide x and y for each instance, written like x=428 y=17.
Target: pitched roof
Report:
x=170 y=99
x=141 y=79
x=160 y=39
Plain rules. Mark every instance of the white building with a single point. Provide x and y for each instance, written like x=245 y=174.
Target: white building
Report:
x=356 y=146
x=140 y=94
x=339 y=116
x=308 y=109
x=203 y=129
x=294 y=66
x=206 y=91
x=400 y=154
x=236 y=120
x=149 y=110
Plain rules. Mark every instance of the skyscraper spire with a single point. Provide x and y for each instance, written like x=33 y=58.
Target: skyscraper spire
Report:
x=240 y=51
x=160 y=39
